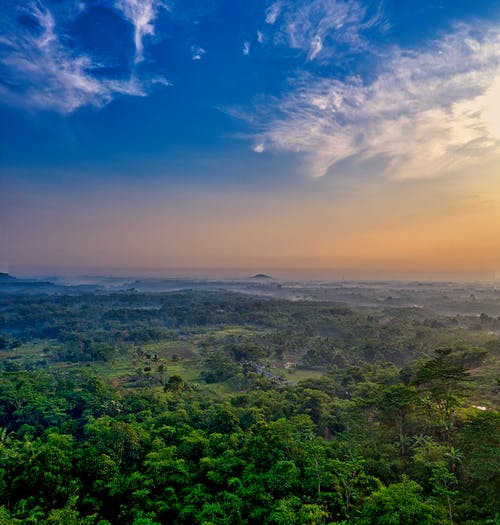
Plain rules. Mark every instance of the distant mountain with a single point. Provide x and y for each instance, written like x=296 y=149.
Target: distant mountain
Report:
x=261 y=276
x=9 y=284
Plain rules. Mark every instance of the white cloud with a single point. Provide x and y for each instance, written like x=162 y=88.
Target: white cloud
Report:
x=197 y=52
x=141 y=14
x=40 y=71
x=473 y=44
x=427 y=113
x=246 y=48
x=322 y=27
x=260 y=37
x=259 y=148
x=272 y=13
x=491 y=107
x=316 y=47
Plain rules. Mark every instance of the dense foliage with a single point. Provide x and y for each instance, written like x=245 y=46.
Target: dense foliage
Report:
x=215 y=408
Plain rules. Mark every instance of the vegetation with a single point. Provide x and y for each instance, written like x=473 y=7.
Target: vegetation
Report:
x=219 y=408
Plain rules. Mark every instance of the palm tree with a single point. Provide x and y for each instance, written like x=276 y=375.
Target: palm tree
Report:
x=454 y=457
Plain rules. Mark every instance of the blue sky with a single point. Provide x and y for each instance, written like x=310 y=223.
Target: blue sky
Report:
x=282 y=107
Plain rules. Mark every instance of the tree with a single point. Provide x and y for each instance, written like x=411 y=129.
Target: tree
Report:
x=121 y=440
x=311 y=513
x=443 y=482
x=68 y=515
x=445 y=379
x=6 y=517
x=479 y=441
x=352 y=481
x=48 y=475
x=284 y=511
x=283 y=478
x=218 y=367
x=400 y=504
x=174 y=384
x=396 y=403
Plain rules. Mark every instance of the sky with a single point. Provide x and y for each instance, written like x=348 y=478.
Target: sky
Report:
x=318 y=138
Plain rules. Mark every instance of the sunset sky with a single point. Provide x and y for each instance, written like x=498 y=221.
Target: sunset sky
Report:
x=315 y=138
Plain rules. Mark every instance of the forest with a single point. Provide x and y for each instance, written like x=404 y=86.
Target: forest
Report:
x=211 y=406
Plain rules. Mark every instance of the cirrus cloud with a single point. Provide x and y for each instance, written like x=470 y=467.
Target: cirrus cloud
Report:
x=141 y=13
x=426 y=113
x=43 y=67
x=323 y=28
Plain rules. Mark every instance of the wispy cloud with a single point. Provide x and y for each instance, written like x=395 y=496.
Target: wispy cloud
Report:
x=320 y=28
x=246 y=48
x=272 y=13
x=315 y=47
x=41 y=67
x=197 y=52
x=141 y=14
x=427 y=112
